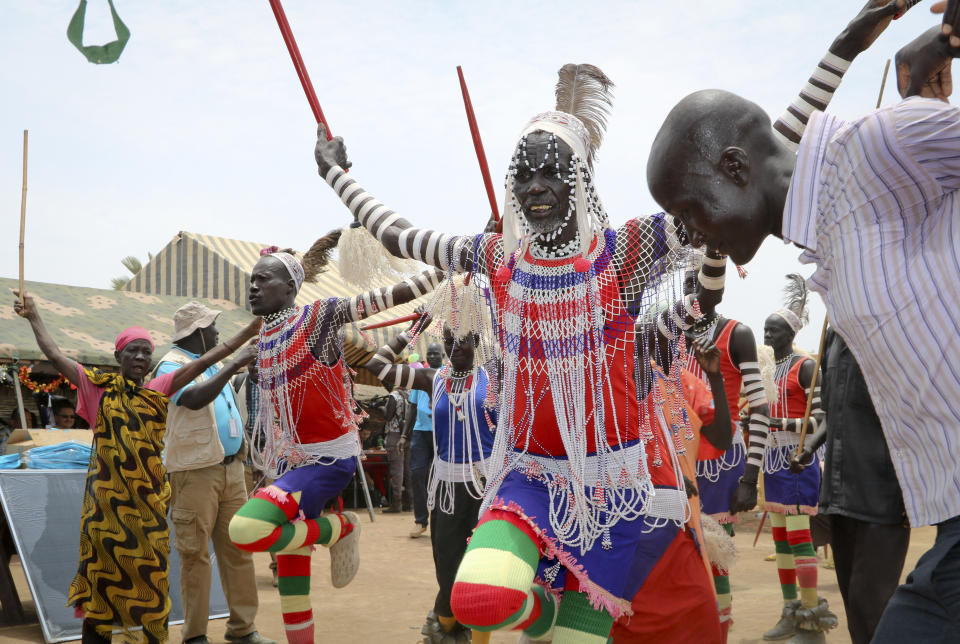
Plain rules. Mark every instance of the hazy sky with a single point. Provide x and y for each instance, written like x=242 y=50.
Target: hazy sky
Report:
x=202 y=124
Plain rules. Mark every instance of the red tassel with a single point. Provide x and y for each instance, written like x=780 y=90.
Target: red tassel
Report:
x=741 y=271
x=581 y=265
x=504 y=274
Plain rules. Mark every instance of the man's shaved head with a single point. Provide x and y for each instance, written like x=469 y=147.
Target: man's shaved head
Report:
x=712 y=164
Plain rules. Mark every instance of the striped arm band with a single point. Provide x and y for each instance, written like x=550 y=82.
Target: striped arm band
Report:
x=759 y=431
x=752 y=388
x=814 y=96
x=713 y=273
x=416 y=243
x=403 y=377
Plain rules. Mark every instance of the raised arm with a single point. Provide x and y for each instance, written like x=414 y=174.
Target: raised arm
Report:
x=381 y=365
x=185 y=374
x=397 y=235
x=66 y=366
x=859 y=34
x=743 y=352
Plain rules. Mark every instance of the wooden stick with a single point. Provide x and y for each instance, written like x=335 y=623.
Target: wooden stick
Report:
x=298 y=65
x=813 y=386
x=23 y=214
x=400 y=320
x=478 y=146
x=883 y=82
x=823 y=332
x=756 y=537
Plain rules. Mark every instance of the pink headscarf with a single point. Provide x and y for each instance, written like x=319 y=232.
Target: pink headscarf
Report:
x=133 y=333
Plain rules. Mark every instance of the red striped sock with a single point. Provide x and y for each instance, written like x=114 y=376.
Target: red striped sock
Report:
x=293 y=576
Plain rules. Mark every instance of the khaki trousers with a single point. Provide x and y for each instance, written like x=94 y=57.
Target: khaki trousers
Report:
x=202 y=503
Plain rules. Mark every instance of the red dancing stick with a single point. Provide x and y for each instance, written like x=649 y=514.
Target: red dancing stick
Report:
x=400 y=320
x=478 y=145
x=298 y=64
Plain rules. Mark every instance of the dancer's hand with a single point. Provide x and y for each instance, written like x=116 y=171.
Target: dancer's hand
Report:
x=923 y=66
x=329 y=153
x=744 y=497
x=421 y=323
x=866 y=27
x=25 y=307
x=707 y=355
x=799 y=462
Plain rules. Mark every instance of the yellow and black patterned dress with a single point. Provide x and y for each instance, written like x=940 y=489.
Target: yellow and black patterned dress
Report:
x=124 y=537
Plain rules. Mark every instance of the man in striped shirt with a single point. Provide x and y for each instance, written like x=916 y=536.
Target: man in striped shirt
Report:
x=874 y=205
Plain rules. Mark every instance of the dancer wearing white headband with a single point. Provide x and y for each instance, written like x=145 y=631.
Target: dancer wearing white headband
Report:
x=791 y=499
x=583 y=465
x=307 y=425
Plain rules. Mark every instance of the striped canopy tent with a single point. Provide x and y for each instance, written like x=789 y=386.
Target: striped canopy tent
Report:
x=85 y=321
x=204 y=266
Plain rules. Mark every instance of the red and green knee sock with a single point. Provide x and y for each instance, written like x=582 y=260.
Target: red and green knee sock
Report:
x=721 y=583
x=293 y=577
x=804 y=557
x=796 y=558
x=265 y=523
x=578 y=622
x=494 y=588
x=785 y=566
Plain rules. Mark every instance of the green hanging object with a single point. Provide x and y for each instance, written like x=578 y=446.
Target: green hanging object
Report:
x=99 y=54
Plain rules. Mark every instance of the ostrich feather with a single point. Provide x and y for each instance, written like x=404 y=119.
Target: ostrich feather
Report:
x=721 y=548
x=795 y=296
x=584 y=91
x=316 y=260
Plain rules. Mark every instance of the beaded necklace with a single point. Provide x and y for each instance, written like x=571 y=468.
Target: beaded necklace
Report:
x=783 y=368
x=289 y=371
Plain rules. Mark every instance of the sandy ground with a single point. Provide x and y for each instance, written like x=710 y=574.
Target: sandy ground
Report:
x=395 y=587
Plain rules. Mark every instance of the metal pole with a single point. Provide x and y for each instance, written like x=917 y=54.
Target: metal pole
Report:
x=366 y=490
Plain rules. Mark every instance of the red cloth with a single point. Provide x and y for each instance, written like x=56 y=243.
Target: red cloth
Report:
x=795 y=393
x=323 y=398
x=676 y=602
x=698 y=397
x=732 y=382
x=129 y=335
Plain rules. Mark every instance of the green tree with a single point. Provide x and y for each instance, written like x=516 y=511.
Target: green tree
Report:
x=133 y=265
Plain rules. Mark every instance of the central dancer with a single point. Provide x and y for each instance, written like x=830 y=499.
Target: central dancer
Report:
x=569 y=492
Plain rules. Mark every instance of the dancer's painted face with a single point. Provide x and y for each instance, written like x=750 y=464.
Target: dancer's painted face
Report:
x=543 y=192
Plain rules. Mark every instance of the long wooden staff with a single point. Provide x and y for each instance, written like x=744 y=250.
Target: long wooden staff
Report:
x=298 y=64
x=410 y=317
x=823 y=331
x=478 y=146
x=23 y=214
